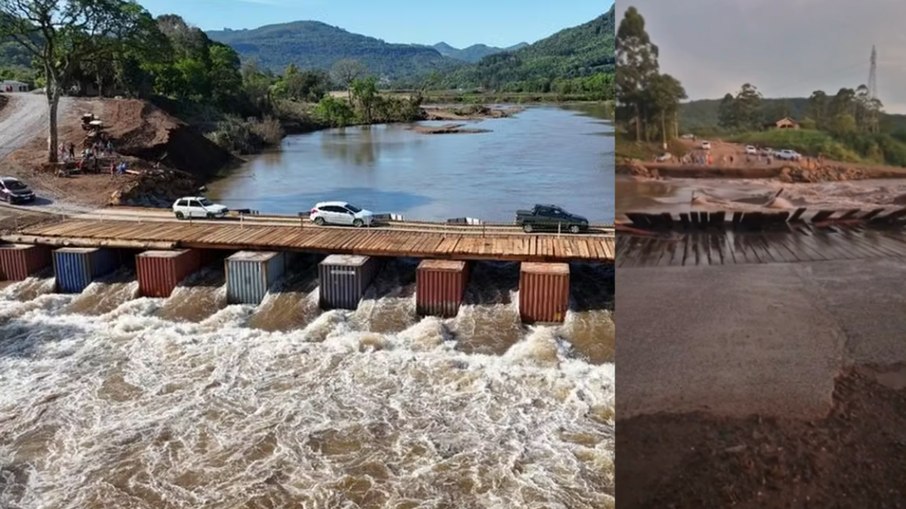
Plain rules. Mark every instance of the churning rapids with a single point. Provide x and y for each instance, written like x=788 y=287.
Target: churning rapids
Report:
x=108 y=400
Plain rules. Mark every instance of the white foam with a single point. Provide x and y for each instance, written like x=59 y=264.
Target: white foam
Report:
x=129 y=409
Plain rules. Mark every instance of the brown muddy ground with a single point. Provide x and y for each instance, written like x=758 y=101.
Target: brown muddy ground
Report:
x=855 y=457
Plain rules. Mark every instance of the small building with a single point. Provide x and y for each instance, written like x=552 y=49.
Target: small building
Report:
x=786 y=123
x=11 y=86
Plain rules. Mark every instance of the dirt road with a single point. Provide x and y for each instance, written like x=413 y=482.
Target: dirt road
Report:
x=24 y=118
x=763 y=386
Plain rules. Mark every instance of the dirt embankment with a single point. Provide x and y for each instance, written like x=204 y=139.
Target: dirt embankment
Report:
x=730 y=161
x=475 y=112
x=448 y=129
x=166 y=157
x=854 y=457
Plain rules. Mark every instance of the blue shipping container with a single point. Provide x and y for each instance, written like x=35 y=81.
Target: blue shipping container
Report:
x=75 y=267
x=250 y=274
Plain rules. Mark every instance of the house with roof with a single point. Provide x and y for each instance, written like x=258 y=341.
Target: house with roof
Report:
x=12 y=86
x=786 y=123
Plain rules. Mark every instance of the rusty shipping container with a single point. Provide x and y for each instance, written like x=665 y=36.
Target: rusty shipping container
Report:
x=76 y=267
x=159 y=272
x=250 y=274
x=543 y=292
x=343 y=280
x=440 y=286
x=20 y=261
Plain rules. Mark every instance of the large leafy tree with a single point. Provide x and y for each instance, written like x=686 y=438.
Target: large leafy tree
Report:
x=637 y=65
x=61 y=34
x=664 y=94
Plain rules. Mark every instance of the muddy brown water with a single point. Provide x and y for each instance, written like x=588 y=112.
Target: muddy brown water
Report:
x=189 y=402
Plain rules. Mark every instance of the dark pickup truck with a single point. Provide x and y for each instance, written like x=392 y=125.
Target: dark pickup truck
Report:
x=550 y=217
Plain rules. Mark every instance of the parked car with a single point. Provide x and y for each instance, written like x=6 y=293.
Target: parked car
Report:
x=340 y=213
x=788 y=155
x=767 y=152
x=663 y=158
x=197 y=206
x=550 y=217
x=751 y=151
x=14 y=190
x=706 y=145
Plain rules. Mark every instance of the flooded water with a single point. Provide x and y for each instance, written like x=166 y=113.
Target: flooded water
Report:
x=676 y=195
x=561 y=155
x=187 y=402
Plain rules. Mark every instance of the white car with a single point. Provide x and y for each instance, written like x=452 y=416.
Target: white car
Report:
x=706 y=145
x=340 y=213
x=663 y=158
x=197 y=206
x=751 y=151
x=788 y=155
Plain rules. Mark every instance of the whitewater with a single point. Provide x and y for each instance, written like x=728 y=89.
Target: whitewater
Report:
x=110 y=400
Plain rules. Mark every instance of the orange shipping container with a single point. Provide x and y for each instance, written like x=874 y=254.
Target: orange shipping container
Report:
x=543 y=292
x=440 y=285
x=18 y=262
x=159 y=272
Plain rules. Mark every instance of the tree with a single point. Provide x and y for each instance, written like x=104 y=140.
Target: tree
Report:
x=636 y=59
x=365 y=95
x=59 y=34
x=818 y=108
x=664 y=95
x=747 y=107
x=345 y=71
x=726 y=112
x=335 y=112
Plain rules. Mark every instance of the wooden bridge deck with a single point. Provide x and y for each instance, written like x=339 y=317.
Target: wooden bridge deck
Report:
x=797 y=243
x=372 y=242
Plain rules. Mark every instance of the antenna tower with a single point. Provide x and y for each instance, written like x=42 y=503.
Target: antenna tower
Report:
x=873 y=74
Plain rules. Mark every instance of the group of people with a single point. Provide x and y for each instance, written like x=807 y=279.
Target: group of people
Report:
x=699 y=158
x=100 y=148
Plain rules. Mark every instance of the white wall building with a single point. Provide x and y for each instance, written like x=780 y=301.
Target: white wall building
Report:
x=10 y=86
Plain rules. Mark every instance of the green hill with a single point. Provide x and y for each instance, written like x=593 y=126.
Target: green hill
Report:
x=473 y=53
x=579 y=52
x=701 y=116
x=316 y=45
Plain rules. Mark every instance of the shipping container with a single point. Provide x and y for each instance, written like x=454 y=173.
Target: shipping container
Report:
x=76 y=267
x=543 y=292
x=440 y=286
x=343 y=280
x=20 y=261
x=249 y=275
x=159 y=272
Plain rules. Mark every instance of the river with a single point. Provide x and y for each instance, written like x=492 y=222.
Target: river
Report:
x=110 y=400
x=675 y=195
x=545 y=154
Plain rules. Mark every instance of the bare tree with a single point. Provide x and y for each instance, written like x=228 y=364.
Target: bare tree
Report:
x=346 y=71
x=60 y=34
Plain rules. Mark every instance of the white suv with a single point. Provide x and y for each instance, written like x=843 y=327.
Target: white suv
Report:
x=788 y=155
x=751 y=151
x=341 y=213
x=706 y=145
x=197 y=206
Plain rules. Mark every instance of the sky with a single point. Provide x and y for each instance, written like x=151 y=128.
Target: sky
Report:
x=462 y=23
x=786 y=48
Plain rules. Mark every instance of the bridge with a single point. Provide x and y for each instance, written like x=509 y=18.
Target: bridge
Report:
x=759 y=237
x=395 y=239
x=258 y=250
